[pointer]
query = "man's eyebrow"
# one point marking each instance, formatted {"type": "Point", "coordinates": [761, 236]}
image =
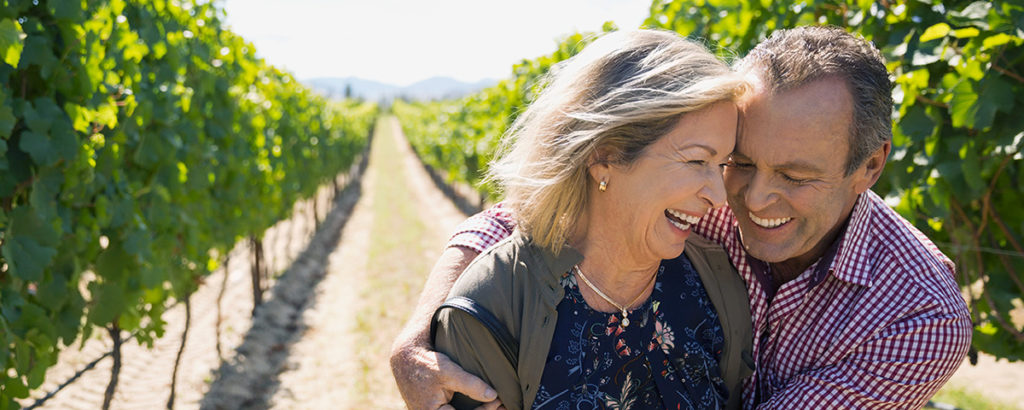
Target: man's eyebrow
{"type": "Point", "coordinates": [800, 165]}
{"type": "Point", "coordinates": [795, 165]}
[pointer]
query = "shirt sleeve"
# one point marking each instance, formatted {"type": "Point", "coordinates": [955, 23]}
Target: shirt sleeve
{"type": "Point", "coordinates": [716, 225]}
{"type": "Point", "coordinates": [484, 230]}
{"type": "Point", "coordinates": [901, 367]}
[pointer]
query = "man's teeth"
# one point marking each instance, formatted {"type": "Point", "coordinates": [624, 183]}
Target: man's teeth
{"type": "Point", "coordinates": [768, 223]}
{"type": "Point", "coordinates": [687, 220]}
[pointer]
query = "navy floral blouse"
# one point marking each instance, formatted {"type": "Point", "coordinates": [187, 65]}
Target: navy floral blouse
{"type": "Point", "coordinates": [667, 358]}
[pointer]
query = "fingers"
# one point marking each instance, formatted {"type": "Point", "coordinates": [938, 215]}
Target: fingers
{"type": "Point", "coordinates": [458, 380]}
{"type": "Point", "coordinates": [427, 379]}
{"type": "Point", "coordinates": [493, 405]}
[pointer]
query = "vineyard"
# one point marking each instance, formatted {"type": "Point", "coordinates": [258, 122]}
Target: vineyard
{"type": "Point", "coordinates": [183, 224]}
{"type": "Point", "coordinates": [140, 143]}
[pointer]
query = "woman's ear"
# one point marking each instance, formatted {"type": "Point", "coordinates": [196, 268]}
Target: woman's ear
{"type": "Point", "coordinates": [598, 166]}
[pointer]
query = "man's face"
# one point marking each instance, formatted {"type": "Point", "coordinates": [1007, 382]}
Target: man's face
{"type": "Point", "coordinates": [786, 182]}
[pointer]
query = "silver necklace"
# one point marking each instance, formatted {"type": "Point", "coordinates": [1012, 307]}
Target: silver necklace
{"type": "Point", "coordinates": [621, 308]}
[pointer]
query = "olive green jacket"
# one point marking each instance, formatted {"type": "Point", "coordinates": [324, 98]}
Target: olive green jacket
{"type": "Point", "coordinates": [519, 283]}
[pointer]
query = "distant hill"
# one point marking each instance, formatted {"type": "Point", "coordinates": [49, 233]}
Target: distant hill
{"type": "Point", "coordinates": [429, 89]}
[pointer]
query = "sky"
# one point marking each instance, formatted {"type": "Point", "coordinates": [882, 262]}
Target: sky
{"type": "Point", "coordinates": [401, 42]}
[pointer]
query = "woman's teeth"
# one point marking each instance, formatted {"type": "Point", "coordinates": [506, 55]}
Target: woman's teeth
{"type": "Point", "coordinates": [681, 220]}
{"type": "Point", "coordinates": [767, 223]}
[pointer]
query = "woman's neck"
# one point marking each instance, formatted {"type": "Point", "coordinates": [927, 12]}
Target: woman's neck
{"type": "Point", "coordinates": [609, 264]}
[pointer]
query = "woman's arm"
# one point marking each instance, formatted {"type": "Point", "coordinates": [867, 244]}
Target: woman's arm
{"type": "Point", "coordinates": [469, 343]}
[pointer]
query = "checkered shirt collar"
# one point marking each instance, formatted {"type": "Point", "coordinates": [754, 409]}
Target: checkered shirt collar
{"type": "Point", "coordinates": [853, 259]}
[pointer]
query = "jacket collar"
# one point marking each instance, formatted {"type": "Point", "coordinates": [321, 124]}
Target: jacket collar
{"type": "Point", "coordinates": [554, 265]}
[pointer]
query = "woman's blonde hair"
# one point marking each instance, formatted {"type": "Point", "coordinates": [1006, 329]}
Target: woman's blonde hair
{"type": "Point", "coordinates": [608, 103]}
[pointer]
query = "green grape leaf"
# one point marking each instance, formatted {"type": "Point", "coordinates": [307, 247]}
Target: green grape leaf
{"type": "Point", "coordinates": [80, 116]}
{"type": "Point", "coordinates": [37, 375]}
{"type": "Point", "coordinates": [970, 111]}
{"type": "Point", "coordinates": [34, 318]}
{"type": "Point", "coordinates": [45, 190]}
{"type": "Point", "coordinates": [29, 244]}
{"type": "Point", "coordinates": [12, 42]}
{"type": "Point", "coordinates": [113, 263]}
{"type": "Point", "coordinates": [108, 301]}
{"type": "Point", "coordinates": [39, 51]}
{"type": "Point", "coordinates": [3, 164]}
{"type": "Point", "coordinates": [69, 320]}
{"type": "Point", "coordinates": [51, 137]}
{"type": "Point", "coordinates": [7, 119]}
{"type": "Point", "coordinates": [14, 387]}
{"type": "Point", "coordinates": [966, 32]}
{"type": "Point", "coordinates": [39, 147]}
{"type": "Point", "coordinates": [53, 292]}
{"type": "Point", "coordinates": [66, 9]}
{"type": "Point", "coordinates": [971, 166]}
{"type": "Point", "coordinates": [939, 30]}
{"type": "Point", "coordinates": [917, 124]}
{"type": "Point", "coordinates": [998, 40]}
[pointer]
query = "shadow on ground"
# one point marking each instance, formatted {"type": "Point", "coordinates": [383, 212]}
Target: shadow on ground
{"type": "Point", "coordinates": [250, 379]}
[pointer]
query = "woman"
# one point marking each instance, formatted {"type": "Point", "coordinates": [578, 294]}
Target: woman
{"type": "Point", "coordinates": [606, 171]}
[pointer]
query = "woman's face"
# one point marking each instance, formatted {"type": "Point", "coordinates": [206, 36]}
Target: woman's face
{"type": "Point", "coordinates": [672, 184]}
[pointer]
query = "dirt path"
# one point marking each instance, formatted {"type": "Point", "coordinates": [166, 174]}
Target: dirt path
{"type": "Point", "coordinates": [397, 231]}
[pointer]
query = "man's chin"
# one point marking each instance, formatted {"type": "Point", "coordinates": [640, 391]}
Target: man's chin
{"type": "Point", "coordinates": [767, 253]}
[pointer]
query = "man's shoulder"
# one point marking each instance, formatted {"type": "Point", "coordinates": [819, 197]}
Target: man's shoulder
{"type": "Point", "coordinates": [893, 237]}
{"type": "Point", "coordinates": [492, 270]}
{"type": "Point", "coordinates": [904, 262]}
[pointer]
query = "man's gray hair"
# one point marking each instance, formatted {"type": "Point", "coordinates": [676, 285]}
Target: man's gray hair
{"type": "Point", "coordinates": [795, 57]}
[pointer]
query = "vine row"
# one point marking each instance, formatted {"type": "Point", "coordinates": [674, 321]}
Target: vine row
{"type": "Point", "coordinates": [139, 141]}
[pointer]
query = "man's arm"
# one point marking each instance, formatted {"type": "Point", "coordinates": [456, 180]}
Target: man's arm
{"type": "Point", "coordinates": [901, 367]}
{"type": "Point", "coordinates": [428, 379]}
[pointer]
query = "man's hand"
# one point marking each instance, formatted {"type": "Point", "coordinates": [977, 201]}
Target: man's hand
{"type": "Point", "coordinates": [428, 379]}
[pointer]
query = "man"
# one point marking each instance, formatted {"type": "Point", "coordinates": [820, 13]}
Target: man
{"type": "Point", "coordinates": [852, 306]}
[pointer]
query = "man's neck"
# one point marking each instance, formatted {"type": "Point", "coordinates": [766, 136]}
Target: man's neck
{"type": "Point", "coordinates": [790, 269]}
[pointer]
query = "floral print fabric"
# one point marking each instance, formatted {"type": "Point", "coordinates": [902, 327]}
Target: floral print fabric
{"type": "Point", "coordinates": [667, 358]}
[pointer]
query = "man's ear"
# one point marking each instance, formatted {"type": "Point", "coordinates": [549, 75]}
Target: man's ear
{"type": "Point", "coordinates": [872, 168]}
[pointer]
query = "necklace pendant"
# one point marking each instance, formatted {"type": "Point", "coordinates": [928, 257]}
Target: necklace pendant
{"type": "Point", "coordinates": [625, 321]}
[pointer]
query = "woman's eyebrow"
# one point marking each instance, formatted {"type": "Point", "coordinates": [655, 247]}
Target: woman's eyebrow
{"type": "Point", "coordinates": [709, 149]}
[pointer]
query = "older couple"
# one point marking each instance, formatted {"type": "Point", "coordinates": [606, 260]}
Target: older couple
{"type": "Point", "coordinates": [598, 268]}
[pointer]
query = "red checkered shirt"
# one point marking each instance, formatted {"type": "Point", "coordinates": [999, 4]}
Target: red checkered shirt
{"type": "Point", "coordinates": [883, 326]}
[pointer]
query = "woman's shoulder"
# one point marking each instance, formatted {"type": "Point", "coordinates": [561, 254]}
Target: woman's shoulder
{"type": "Point", "coordinates": [491, 273]}
{"type": "Point", "coordinates": [701, 243]}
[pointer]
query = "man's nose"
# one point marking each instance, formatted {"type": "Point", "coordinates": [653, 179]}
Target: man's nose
{"type": "Point", "coordinates": [759, 192]}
